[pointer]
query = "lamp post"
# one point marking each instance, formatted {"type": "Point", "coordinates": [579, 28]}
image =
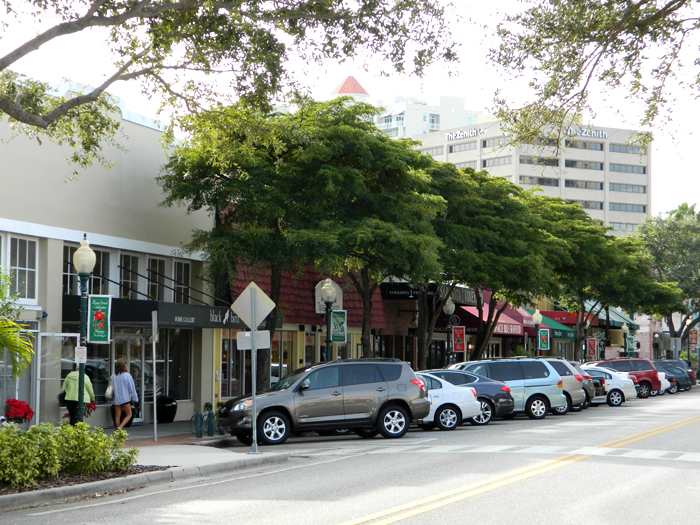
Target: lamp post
{"type": "Point", "coordinates": [328, 297]}
{"type": "Point", "coordinates": [84, 262]}
{"type": "Point", "coordinates": [537, 319]}
{"type": "Point", "coordinates": [625, 330]}
{"type": "Point", "coordinates": [448, 310]}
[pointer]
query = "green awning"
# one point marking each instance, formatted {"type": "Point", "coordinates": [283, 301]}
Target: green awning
{"type": "Point", "coordinates": [559, 331]}
{"type": "Point", "coordinates": [617, 319]}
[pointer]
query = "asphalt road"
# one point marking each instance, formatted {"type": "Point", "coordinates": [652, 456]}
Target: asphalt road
{"type": "Point", "coordinates": [639, 463]}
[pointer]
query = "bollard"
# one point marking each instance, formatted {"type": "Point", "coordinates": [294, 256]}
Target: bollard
{"type": "Point", "coordinates": [210, 424]}
{"type": "Point", "coordinates": [199, 424]}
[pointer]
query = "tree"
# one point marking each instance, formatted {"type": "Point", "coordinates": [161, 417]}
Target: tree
{"type": "Point", "coordinates": [570, 48]}
{"type": "Point", "coordinates": [13, 339]}
{"type": "Point", "coordinates": [176, 49]}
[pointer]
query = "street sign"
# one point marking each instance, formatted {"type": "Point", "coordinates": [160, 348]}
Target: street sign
{"type": "Point", "coordinates": [99, 319]}
{"type": "Point", "coordinates": [591, 346]}
{"type": "Point", "coordinates": [458, 338]}
{"type": "Point", "coordinates": [263, 305]}
{"type": "Point", "coordinates": [693, 337]}
{"type": "Point", "coordinates": [543, 339]}
{"type": "Point", "coordinates": [245, 342]}
{"type": "Point", "coordinates": [81, 354]}
{"type": "Point", "coordinates": [339, 326]}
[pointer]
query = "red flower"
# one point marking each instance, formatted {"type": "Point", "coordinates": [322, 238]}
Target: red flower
{"type": "Point", "coordinates": [17, 411]}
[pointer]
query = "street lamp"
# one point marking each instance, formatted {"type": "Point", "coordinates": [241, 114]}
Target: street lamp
{"type": "Point", "coordinates": [537, 319]}
{"type": "Point", "coordinates": [448, 310]}
{"type": "Point", "coordinates": [83, 261]}
{"type": "Point", "coordinates": [328, 297]}
{"type": "Point", "coordinates": [625, 330]}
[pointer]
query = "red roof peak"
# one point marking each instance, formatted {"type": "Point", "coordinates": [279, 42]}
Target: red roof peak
{"type": "Point", "coordinates": [349, 86]}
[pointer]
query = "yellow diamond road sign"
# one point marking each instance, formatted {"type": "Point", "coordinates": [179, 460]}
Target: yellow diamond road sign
{"type": "Point", "coordinates": [253, 295]}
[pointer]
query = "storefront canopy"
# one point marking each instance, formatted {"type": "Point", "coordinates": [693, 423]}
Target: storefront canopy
{"type": "Point", "coordinates": [617, 319]}
{"type": "Point", "coordinates": [559, 331]}
{"type": "Point", "coordinates": [506, 326]}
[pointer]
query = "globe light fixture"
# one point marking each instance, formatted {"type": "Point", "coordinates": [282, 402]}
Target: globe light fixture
{"type": "Point", "coordinates": [328, 296]}
{"type": "Point", "coordinates": [84, 262]}
{"type": "Point", "coordinates": [537, 319]}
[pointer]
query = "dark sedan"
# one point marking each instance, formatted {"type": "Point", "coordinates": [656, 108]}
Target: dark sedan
{"type": "Point", "coordinates": [683, 365]}
{"type": "Point", "coordinates": [679, 378]}
{"type": "Point", "coordinates": [495, 397]}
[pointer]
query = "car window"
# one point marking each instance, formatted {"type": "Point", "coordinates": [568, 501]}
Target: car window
{"type": "Point", "coordinates": [430, 383]}
{"type": "Point", "coordinates": [327, 377]}
{"type": "Point", "coordinates": [534, 369]}
{"type": "Point", "coordinates": [508, 371]}
{"type": "Point", "coordinates": [674, 369]}
{"type": "Point", "coordinates": [640, 364]}
{"type": "Point", "coordinates": [578, 368]}
{"type": "Point", "coordinates": [561, 368]}
{"type": "Point", "coordinates": [360, 374]}
{"type": "Point", "coordinates": [480, 369]}
{"type": "Point", "coordinates": [390, 372]}
{"type": "Point", "coordinates": [455, 379]}
{"type": "Point", "coordinates": [621, 366]}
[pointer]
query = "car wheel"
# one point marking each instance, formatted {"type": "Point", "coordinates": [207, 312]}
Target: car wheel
{"type": "Point", "coordinates": [536, 407]}
{"type": "Point", "coordinates": [644, 390]}
{"type": "Point", "coordinates": [673, 389]}
{"type": "Point", "coordinates": [273, 428]}
{"type": "Point", "coordinates": [615, 398]}
{"type": "Point", "coordinates": [560, 411]}
{"type": "Point", "coordinates": [486, 414]}
{"type": "Point", "coordinates": [246, 439]}
{"type": "Point", "coordinates": [341, 431]}
{"type": "Point", "coordinates": [426, 426]}
{"type": "Point", "coordinates": [393, 421]}
{"type": "Point", "coordinates": [654, 393]}
{"type": "Point", "coordinates": [448, 418]}
{"type": "Point", "coordinates": [586, 403]}
{"type": "Point", "coordinates": [366, 432]}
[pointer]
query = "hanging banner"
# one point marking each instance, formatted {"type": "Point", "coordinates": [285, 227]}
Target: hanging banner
{"type": "Point", "coordinates": [339, 326]}
{"type": "Point", "coordinates": [458, 339]}
{"type": "Point", "coordinates": [591, 346]}
{"type": "Point", "coordinates": [99, 319]}
{"type": "Point", "coordinates": [543, 339]}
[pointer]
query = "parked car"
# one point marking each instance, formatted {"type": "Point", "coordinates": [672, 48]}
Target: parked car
{"type": "Point", "coordinates": [449, 404]}
{"type": "Point", "coordinates": [589, 387]}
{"type": "Point", "coordinates": [573, 384]}
{"type": "Point", "coordinates": [678, 377]}
{"type": "Point", "coordinates": [619, 387]}
{"type": "Point", "coordinates": [369, 396]}
{"type": "Point", "coordinates": [534, 384]}
{"type": "Point", "coordinates": [494, 396]}
{"type": "Point", "coordinates": [683, 365]}
{"type": "Point", "coordinates": [643, 369]}
{"type": "Point", "coordinates": [665, 384]}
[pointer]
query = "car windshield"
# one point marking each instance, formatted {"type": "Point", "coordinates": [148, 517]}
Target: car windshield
{"type": "Point", "coordinates": [289, 380]}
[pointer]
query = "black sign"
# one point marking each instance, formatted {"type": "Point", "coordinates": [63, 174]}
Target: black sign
{"type": "Point", "coordinates": [403, 291]}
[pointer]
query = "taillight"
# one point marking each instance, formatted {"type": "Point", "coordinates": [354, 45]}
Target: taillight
{"type": "Point", "coordinates": [579, 378]}
{"type": "Point", "coordinates": [473, 392]}
{"type": "Point", "coordinates": [673, 380]}
{"type": "Point", "coordinates": [587, 378]}
{"type": "Point", "coordinates": [505, 388]}
{"type": "Point", "coordinates": [418, 382]}
{"type": "Point", "coordinates": [635, 380]}
{"type": "Point", "coordinates": [560, 384]}
{"type": "Point", "coordinates": [602, 383]}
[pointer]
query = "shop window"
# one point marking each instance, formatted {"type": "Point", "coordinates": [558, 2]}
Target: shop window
{"type": "Point", "coordinates": [23, 269]}
{"type": "Point", "coordinates": [128, 276]}
{"type": "Point", "coordinates": [156, 279]}
{"type": "Point", "coordinates": [182, 282]}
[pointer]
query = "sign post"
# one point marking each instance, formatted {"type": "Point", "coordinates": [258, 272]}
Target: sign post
{"type": "Point", "coordinates": [154, 331]}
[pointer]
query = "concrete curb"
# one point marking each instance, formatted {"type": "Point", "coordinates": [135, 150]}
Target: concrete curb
{"type": "Point", "coordinates": [38, 498]}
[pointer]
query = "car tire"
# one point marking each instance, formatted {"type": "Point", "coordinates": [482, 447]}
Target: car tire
{"type": "Point", "coordinates": [393, 421]}
{"type": "Point", "coordinates": [673, 389]}
{"type": "Point", "coordinates": [426, 426]}
{"type": "Point", "coordinates": [644, 390]}
{"type": "Point", "coordinates": [273, 428]}
{"type": "Point", "coordinates": [586, 403]}
{"type": "Point", "coordinates": [486, 415]}
{"type": "Point", "coordinates": [654, 393]}
{"type": "Point", "coordinates": [536, 407]}
{"type": "Point", "coordinates": [366, 432]}
{"type": "Point", "coordinates": [615, 398]}
{"type": "Point", "coordinates": [448, 417]}
{"type": "Point", "coordinates": [341, 431]}
{"type": "Point", "coordinates": [246, 439]}
{"type": "Point", "coordinates": [560, 411]}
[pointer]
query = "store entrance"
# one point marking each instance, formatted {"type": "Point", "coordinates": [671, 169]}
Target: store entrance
{"type": "Point", "coordinates": [131, 348]}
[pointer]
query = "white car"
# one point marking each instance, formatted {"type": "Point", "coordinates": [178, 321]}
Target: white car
{"type": "Point", "coordinates": [449, 404]}
{"type": "Point", "coordinates": [665, 384]}
{"type": "Point", "coordinates": [618, 385]}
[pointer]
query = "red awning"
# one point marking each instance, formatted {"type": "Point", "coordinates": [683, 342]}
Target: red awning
{"type": "Point", "coordinates": [506, 326]}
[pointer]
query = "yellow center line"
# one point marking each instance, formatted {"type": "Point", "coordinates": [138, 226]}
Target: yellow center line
{"type": "Point", "coordinates": [430, 503]}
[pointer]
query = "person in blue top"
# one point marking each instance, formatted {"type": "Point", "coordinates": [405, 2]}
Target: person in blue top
{"type": "Point", "coordinates": [124, 394]}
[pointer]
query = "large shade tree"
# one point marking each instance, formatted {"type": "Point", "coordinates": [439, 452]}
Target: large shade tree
{"type": "Point", "coordinates": [191, 53]}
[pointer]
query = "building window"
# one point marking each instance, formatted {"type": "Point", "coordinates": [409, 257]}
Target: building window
{"type": "Point", "coordinates": [71, 282]}
{"type": "Point", "coordinates": [635, 208]}
{"type": "Point", "coordinates": [471, 164]}
{"type": "Point", "coordinates": [128, 277]}
{"type": "Point", "coordinates": [583, 165]}
{"type": "Point", "coordinates": [492, 143]}
{"type": "Point", "coordinates": [539, 180]}
{"type": "Point", "coordinates": [624, 227]}
{"type": "Point", "coordinates": [540, 161]}
{"type": "Point", "coordinates": [589, 205]}
{"type": "Point", "coordinates": [583, 184]}
{"type": "Point", "coordinates": [623, 148]}
{"type": "Point", "coordinates": [498, 161]}
{"type": "Point", "coordinates": [23, 268]}
{"type": "Point", "coordinates": [399, 120]}
{"type": "Point", "coordinates": [626, 168]}
{"type": "Point", "coordinates": [182, 282]}
{"type": "Point", "coordinates": [466, 146]}
{"type": "Point", "coordinates": [425, 117]}
{"type": "Point", "coordinates": [156, 279]}
{"type": "Point", "coordinates": [629, 188]}
{"type": "Point", "coordinates": [99, 280]}
{"type": "Point", "coordinates": [433, 151]}
{"type": "Point", "coordinates": [541, 141]}
{"type": "Point", "coordinates": [582, 144]}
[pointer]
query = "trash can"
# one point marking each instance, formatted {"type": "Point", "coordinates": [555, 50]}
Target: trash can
{"type": "Point", "coordinates": [166, 409]}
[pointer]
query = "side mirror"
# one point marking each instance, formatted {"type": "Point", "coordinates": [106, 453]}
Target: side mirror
{"type": "Point", "coordinates": [304, 385]}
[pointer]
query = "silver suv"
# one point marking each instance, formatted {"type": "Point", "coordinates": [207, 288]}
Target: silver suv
{"type": "Point", "coordinates": [573, 384]}
{"type": "Point", "coordinates": [369, 396]}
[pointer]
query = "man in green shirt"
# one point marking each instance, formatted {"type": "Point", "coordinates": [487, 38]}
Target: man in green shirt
{"type": "Point", "coordinates": [70, 387]}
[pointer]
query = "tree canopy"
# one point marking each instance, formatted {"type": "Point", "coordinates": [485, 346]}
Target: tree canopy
{"type": "Point", "coordinates": [176, 49]}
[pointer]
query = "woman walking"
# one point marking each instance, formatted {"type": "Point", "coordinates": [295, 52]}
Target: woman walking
{"type": "Point", "coordinates": [71, 388]}
{"type": "Point", "coordinates": [124, 394]}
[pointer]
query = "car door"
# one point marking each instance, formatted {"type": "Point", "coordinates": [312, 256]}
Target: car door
{"type": "Point", "coordinates": [435, 394]}
{"type": "Point", "coordinates": [319, 397]}
{"type": "Point", "coordinates": [511, 374]}
{"type": "Point", "coordinates": [364, 390]}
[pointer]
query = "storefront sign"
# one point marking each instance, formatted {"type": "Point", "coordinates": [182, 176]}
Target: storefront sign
{"type": "Point", "coordinates": [593, 133]}
{"type": "Point", "coordinates": [403, 291]}
{"type": "Point", "coordinates": [464, 134]}
{"type": "Point", "coordinates": [591, 346]}
{"type": "Point", "coordinates": [458, 339]}
{"type": "Point", "coordinates": [543, 339]}
{"type": "Point", "coordinates": [339, 326]}
{"type": "Point", "coordinates": [99, 319]}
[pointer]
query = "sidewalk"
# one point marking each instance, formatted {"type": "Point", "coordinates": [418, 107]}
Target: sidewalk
{"type": "Point", "coordinates": [177, 448]}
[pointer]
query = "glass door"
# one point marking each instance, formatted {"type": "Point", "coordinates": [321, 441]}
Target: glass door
{"type": "Point", "coordinates": [130, 347]}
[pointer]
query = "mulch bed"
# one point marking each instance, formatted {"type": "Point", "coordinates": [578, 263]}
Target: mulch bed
{"type": "Point", "coordinates": [65, 479]}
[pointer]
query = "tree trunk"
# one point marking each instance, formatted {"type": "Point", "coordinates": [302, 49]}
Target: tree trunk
{"type": "Point", "coordinates": [263, 357]}
{"type": "Point", "coordinates": [485, 329]}
{"type": "Point", "coordinates": [366, 288]}
{"type": "Point", "coordinates": [423, 334]}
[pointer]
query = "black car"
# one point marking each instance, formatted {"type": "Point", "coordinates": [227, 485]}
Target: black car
{"type": "Point", "coordinates": [495, 397]}
{"type": "Point", "coordinates": [683, 365]}
{"type": "Point", "coordinates": [679, 377]}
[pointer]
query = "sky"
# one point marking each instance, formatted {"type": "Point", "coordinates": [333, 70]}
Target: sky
{"type": "Point", "coordinates": [675, 177]}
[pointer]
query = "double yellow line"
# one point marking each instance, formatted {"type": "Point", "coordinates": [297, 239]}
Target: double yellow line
{"type": "Point", "coordinates": [428, 504]}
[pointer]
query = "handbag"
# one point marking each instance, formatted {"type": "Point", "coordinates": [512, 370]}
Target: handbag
{"type": "Point", "coordinates": [109, 393]}
{"type": "Point", "coordinates": [61, 399]}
